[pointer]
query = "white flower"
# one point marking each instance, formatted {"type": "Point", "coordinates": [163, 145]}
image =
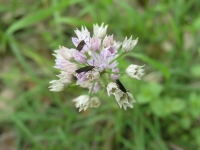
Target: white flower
{"type": "Point", "coordinates": [95, 102]}
{"type": "Point", "coordinates": [84, 33]}
{"type": "Point", "coordinates": [108, 41]}
{"type": "Point", "coordinates": [112, 88]}
{"type": "Point", "coordinates": [128, 44]}
{"type": "Point", "coordinates": [117, 44]}
{"type": "Point", "coordinates": [83, 102]}
{"type": "Point", "coordinates": [66, 65]}
{"type": "Point", "coordinates": [83, 39]}
{"type": "Point", "coordinates": [124, 99]}
{"type": "Point", "coordinates": [56, 86]}
{"type": "Point", "coordinates": [120, 97]}
{"type": "Point", "coordinates": [93, 75]}
{"type": "Point", "coordinates": [100, 31]}
{"type": "Point", "coordinates": [135, 71]}
{"type": "Point", "coordinates": [63, 53]}
{"type": "Point", "coordinates": [65, 77]}
{"type": "Point", "coordinates": [130, 99]}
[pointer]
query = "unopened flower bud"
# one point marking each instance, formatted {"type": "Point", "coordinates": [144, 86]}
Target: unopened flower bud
{"type": "Point", "coordinates": [95, 102]}
{"type": "Point", "coordinates": [65, 77]}
{"type": "Point", "coordinates": [56, 86]}
{"type": "Point", "coordinates": [100, 31]}
{"type": "Point", "coordinates": [95, 43]}
{"type": "Point", "coordinates": [128, 44]}
{"type": "Point", "coordinates": [108, 41]}
{"type": "Point", "coordinates": [82, 102]}
{"type": "Point", "coordinates": [117, 44]}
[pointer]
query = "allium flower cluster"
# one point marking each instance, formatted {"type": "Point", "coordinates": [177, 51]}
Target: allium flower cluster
{"type": "Point", "coordinates": [92, 64]}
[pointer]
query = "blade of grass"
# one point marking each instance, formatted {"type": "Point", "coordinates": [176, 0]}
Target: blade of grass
{"type": "Point", "coordinates": [44, 64]}
{"type": "Point", "coordinates": [20, 58]}
{"type": "Point", "coordinates": [58, 26]}
{"type": "Point", "coordinates": [74, 21]}
{"type": "Point", "coordinates": [35, 17]}
{"type": "Point", "coordinates": [23, 128]}
{"type": "Point", "coordinates": [154, 133]}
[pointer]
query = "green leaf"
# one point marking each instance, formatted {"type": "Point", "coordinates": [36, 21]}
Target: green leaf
{"type": "Point", "coordinates": [149, 92]}
{"type": "Point", "coordinates": [196, 23]}
{"type": "Point", "coordinates": [196, 133]}
{"type": "Point", "coordinates": [74, 21]}
{"type": "Point", "coordinates": [185, 122]}
{"type": "Point", "coordinates": [159, 108]}
{"type": "Point", "coordinates": [195, 70]}
{"type": "Point", "coordinates": [194, 103]}
{"type": "Point", "coordinates": [167, 106]}
{"type": "Point", "coordinates": [177, 105]}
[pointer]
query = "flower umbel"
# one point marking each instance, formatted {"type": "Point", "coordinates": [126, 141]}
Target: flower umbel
{"type": "Point", "coordinates": [92, 64]}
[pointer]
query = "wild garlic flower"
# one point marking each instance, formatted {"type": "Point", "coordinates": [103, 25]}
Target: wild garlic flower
{"type": "Point", "coordinates": [135, 71]}
{"type": "Point", "coordinates": [95, 102]}
{"type": "Point", "coordinates": [82, 102]}
{"type": "Point", "coordinates": [123, 98]}
{"type": "Point", "coordinates": [57, 85]}
{"type": "Point", "coordinates": [92, 64]}
{"type": "Point", "coordinates": [100, 32]}
{"type": "Point", "coordinates": [63, 53]}
{"type": "Point", "coordinates": [108, 41]}
{"type": "Point", "coordinates": [129, 44]}
{"type": "Point", "coordinates": [117, 44]}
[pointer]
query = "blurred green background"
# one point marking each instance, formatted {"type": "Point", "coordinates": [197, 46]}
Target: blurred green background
{"type": "Point", "coordinates": [167, 113]}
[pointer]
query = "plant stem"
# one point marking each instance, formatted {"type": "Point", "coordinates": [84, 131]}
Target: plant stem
{"type": "Point", "coordinates": [110, 72]}
{"type": "Point", "coordinates": [91, 89]}
{"type": "Point", "coordinates": [120, 55]}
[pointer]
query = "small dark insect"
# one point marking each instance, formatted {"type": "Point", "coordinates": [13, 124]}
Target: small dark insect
{"type": "Point", "coordinates": [120, 85]}
{"type": "Point", "coordinates": [85, 69]}
{"type": "Point", "coordinates": [81, 45]}
{"type": "Point", "coordinates": [74, 78]}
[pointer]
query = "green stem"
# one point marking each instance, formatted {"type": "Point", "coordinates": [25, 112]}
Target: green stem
{"type": "Point", "coordinates": [120, 55]}
{"type": "Point", "coordinates": [105, 80]}
{"type": "Point", "coordinates": [110, 72]}
{"type": "Point", "coordinates": [90, 94]}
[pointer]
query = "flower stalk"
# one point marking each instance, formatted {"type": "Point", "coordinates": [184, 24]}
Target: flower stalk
{"type": "Point", "coordinates": [119, 56]}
